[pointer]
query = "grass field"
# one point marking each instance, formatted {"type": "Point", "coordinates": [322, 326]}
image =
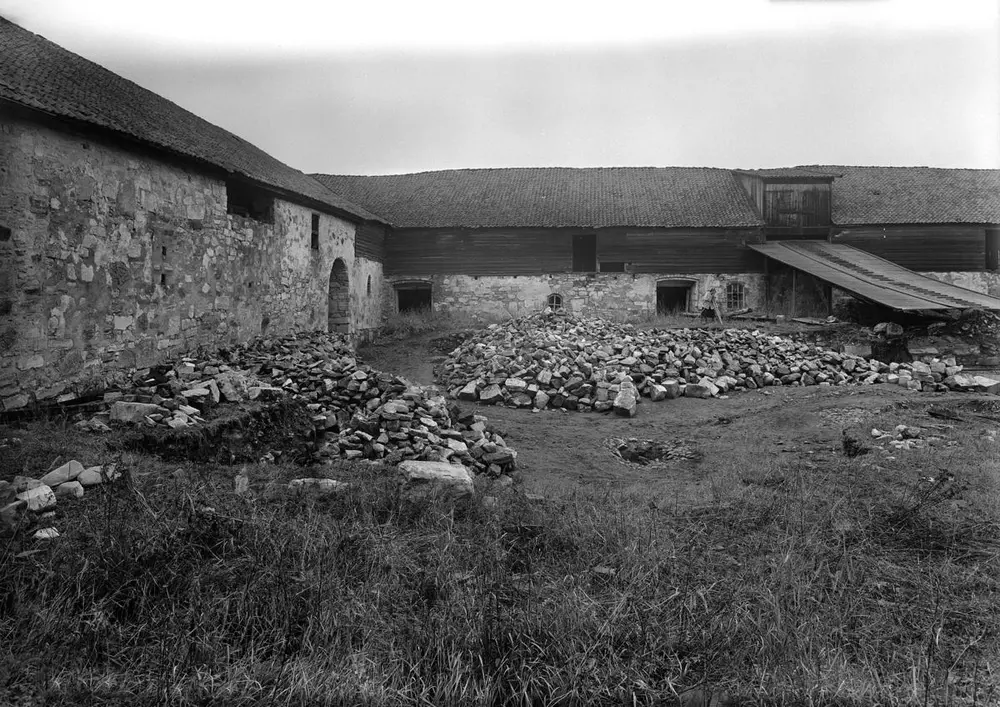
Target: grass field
{"type": "Point", "coordinates": [850, 584]}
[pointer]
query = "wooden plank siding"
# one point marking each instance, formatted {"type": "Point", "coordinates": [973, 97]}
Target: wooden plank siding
{"type": "Point", "coordinates": [681, 250]}
{"type": "Point", "coordinates": [434, 251]}
{"type": "Point", "coordinates": [539, 251]}
{"type": "Point", "coordinates": [754, 187]}
{"type": "Point", "coordinates": [959, 248]}
{"type": "Point", "coordinates": [796, 209]}
{"type": "Point", "coordinates": [369, 241]}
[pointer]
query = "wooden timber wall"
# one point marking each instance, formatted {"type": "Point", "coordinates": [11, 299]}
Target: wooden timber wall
{"type": "Point", "coordinates": [539, 251]}
{"type": "Point", "coordinates": [948, 248]}
{"type": "Point", "coordinates": [369, 242]}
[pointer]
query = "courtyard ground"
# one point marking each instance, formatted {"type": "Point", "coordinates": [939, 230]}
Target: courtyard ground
{"type": "Point", "coordinates": [778, 554]}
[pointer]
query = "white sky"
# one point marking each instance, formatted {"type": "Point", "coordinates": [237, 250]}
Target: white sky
{"type": "Point", "coordinates": [372, 86]}
{"type": "Point", "coordinates": [339, 27]}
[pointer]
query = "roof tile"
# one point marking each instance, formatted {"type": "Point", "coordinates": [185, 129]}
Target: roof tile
{"type": "Point", "coordinates": [553, 197]}
{"type": "Point", "coordinates": [900, 195]}
{"type": "Point", "coordinates": [42, 75]}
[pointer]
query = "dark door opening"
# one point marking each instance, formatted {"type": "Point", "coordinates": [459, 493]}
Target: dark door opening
{"type": "Point", "coordinates": [673, 297]}
{"type": "Point", "coordinates": [585, 252]}
{"type": "Point", "coordinates": [413, 298]}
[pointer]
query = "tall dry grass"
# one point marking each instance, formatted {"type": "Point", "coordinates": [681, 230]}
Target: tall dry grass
{"type": "Point", "coordinates": [801, 587]}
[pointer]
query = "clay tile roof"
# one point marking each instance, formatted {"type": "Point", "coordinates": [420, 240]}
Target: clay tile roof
{"type": "Point", "coordinates": [790, 173]}
{"type": "Point", "coordinates": [899, 195]}
{"type": "Point", "coordinates": [39, 74]}
{"type": "Point", "coordinates": [553, 197]}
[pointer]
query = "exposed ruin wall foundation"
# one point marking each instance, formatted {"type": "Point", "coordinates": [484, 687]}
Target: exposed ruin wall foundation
{"type": "Point", "coordinates": [111, 259]}
{"type": "Point", "coordinates": [987, 283]}
{"type": "Point", "coordinates": [603, 294]}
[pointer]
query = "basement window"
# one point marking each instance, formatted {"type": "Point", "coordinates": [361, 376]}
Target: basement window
{"type": "Point", "coordinates": [736, 296]}
{"type": "Point", "coordinates": [249, 201]}
{"type": "Point", "coordinates": [314, 242]}
{"type": "Point", "coordinates": [555, 302]}
{"type": "Point", "coordinates": [413, 297]}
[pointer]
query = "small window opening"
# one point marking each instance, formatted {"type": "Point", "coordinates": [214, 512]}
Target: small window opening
{"type": "Point", "coordinates": [585, 252]}
{"type": "Point", "coordinates": [369, 286]}
{"type": "Point", "coordinates": [613, 266]}
{"type": "Point", "coordinates": [163, 279]}
{"type": "Point", "coordinates": [315, 232]}
{"type": "Point", "coordinates": [413, 297]}
{"type": "Point", "coordinates": [736, 296]}
{"type": "Point", "coordinates": [673, 296]}
{"type": "Point", "coordinates": [163, 251]}
{"type": "Point", "coordinates": [249, 201]}
{"type": "Point", "coordinates": [555, 302]}
{"type": "Point", "coordinates": [4, 234]}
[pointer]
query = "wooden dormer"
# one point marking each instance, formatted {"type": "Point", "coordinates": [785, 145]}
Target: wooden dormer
{"type": "Point", "coordinates": [795, 203]}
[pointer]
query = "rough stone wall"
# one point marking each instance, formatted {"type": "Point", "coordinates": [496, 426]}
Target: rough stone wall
{"type": "Point", "coordinates": [985, 282]}
{"type": "Point", "coordinates": [367, 287]}
{"type": "Point", "coordinates": [114, 258]}
{"type": "Point", "coordinates": [604, 294]}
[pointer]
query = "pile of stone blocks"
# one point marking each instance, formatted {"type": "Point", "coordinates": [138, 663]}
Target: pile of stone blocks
{"type": "Point", "coordinates": [558, 360]}
{"type": "Point", "coordinates": [24, 500]}
{"type": "Point", "coordinates": [357, 412]}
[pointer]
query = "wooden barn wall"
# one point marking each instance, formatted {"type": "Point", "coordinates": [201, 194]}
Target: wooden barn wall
{"type": "Point", "coordinates": [927, 248]}
{"type": "Point", "coordinates": [433, 251]}
{"type": "Point", "coordinates": [681, 250]}
{"type": "Point", "coordinates": [369, 242]}
{"type": "Point", "coordinates": [754, 186]}
{"type": "Point", "coordinates": [796, 205]}
{"type": "Point", "coordinates": [539, 251]}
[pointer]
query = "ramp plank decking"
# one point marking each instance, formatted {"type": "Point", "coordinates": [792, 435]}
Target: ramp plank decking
{"type": "Point", "coordinates": [873, 278]}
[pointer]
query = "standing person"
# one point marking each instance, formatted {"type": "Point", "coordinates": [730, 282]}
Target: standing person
{"type": "Point", "coordinates": [712, 307]}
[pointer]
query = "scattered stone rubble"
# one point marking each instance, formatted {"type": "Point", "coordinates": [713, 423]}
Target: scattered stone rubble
{"type": "Point", "coordinates": [357, 412]}
{"type": "Point", "coordinates": [559, 360]}
{"type": "Point", "coordinates": [24, 499]}
{"type": "Point", "coordinates": [910, 437]}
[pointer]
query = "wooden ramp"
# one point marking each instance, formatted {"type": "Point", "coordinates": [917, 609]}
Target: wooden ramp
{"type": "Point", "coordinates": [873, 278]}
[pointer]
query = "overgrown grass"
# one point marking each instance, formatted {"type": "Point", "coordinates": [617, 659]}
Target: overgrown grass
{"type": "Point", "coordinates": [426, 321]}
{"type": "Point", "coordinates": [807, 587]}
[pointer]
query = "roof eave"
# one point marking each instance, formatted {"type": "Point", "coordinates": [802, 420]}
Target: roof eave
{"type": "Point", "coordinates": [295, 197]}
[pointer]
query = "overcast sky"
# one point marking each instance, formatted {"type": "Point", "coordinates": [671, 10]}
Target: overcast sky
{"type": "Point", "coordinates": [376, 87]}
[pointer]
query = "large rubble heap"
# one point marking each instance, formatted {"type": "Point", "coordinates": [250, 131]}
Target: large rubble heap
{"type": "Point", "coordinates": [357, 412]}
{"type": "Point", "coordinates": [562, 361]}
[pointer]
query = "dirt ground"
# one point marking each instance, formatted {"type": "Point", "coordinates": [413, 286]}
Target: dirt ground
{"type": "Point", "coordinates": [752, 438]}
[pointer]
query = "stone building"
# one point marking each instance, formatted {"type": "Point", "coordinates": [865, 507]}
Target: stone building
{"type": "Point", "coordinates": [131, 231]}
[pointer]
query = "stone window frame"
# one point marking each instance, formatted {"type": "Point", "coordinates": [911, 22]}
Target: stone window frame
{"type": "Point", "coordinates": [554, 302]}
{"type": "Point", "coordinates": [736, 296]}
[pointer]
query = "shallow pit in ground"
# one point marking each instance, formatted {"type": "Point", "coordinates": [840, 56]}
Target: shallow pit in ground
{"type": "Point", "coordinates": [648, 452]}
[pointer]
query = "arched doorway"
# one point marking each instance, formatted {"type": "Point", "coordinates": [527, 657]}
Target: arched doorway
{"type": "Point", "coordinates": [339, 313]}
{"type": "Point", "coordinates": [674, 295]}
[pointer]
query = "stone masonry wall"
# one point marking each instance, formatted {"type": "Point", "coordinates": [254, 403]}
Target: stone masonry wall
{"type": "Point", "coordinates": [367, 288]}
{"type": "Point", "coordinates": [988, 283]}
{"type": "Point", "coordinates": [604, 294]}
{"type": "Point", "coordinates": [112, 259]}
